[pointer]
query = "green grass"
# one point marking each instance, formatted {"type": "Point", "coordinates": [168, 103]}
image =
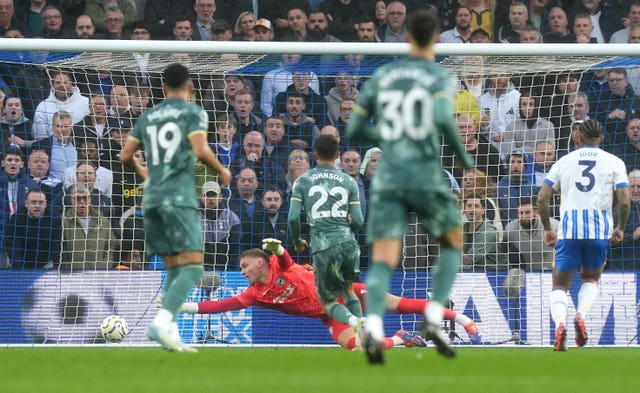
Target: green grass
{"type": "Point", "coordinates": [326, 370]}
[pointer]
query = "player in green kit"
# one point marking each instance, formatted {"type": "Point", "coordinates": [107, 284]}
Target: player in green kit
{"type": "Point", "coordinates": [332, 202]}
{"type": "Point", "coordinates": [173, 135]}
{"type": "Point", "coordinates": [410, 101]}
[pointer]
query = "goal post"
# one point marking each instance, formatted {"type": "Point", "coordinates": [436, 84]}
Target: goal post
{"type": "Point", "coordinates": [88, 274]}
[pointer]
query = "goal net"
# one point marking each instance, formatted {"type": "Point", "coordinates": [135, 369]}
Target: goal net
{"type": "Point", "coordinates": [73, 238]}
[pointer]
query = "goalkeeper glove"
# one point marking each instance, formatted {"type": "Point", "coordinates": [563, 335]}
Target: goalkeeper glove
{"type": "Point", "coordinates": [273, 245]}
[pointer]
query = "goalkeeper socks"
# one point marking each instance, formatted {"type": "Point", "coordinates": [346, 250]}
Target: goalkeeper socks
{"type": "Point", "coordinates": [377, 287]}
{"type": "Point", "coordinates": [387, 342]}
{"type": "Point", "coordinates": [181, 286]}
{"type": "Point", "coordinates": [558, 306]}
{"type": "Point", "coordinates": [340, 313]}
{"type": "Point", "coordinates": [353, 304]}
{"type": "Point", "coordinates": [586, 297]}
{"type": "Point", "coordinates": [411, 306]}
{"type": "Point", "coordinates": [445, 273]}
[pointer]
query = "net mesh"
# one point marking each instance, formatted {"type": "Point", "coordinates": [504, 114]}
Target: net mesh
{"type": "Point", "coordinates": [64, 274]}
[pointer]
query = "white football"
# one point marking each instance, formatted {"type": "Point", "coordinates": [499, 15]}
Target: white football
{"type": "Point", "coordinates": [114, 328]}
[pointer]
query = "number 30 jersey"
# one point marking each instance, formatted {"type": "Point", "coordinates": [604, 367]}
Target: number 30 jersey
{"type": "Point", "coordinates": [164, 133]}
{"type": "Point", "coordinates": [326, 194]}
{"type": "Point", "coordinates": [587, 179]}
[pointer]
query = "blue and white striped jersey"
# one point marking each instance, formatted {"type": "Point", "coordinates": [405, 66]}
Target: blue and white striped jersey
{"type": "Point", "coordinates": [587, 179]}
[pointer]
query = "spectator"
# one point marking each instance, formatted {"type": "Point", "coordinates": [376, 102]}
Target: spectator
{"type": "Point", "coordinates": [38, 177]}
{"type": "Point", "coordinates": [343, 15]}
{"type": "Point", "coordinates": [315, 104]}
{"type": "Point", "coordinates": [366, 30]}
{"type": "Point", "coordinates": [244, 25]}
{"type": "Point", "coordinates": [318, 28]}
{"type": "Point", "coordinates": [380, 12]}
{"type": "Point", "coordinates": [273, 221]}
{"type": "Point", "coordinates": [577, 111]}
{"type": "Point", "coordinates": [30, 226]}
{"type": "Point", "coordinates": [12, 195]}
{"type": "Point", "coordinates": [8, 19]}
{"type": "Point", "coordinates": [518, 17]}
{"type": "Point", "coordinates": [225, 147]}
{"type": "Point", "coordinates": [88, 242]}
{"type": "Point", "coordinates": [605, 21]}
{"type": "Point", "coordinates": [530, 35]}
{"type": "Point", "coordinates": [298, 162]}
{"type": "Point", "coordinates": [88, 153]}
{"type": "Point", "coordinates": [394, 30]}
{"type": "Point", "coordinates": [85, 174]}
{"type": "Point", "coordinates": [538, 14]}
{"type": "Point", "coordinates": [182, 29]}
{"type": "Point", "coordinates": [99, 10]}
{"type": "Point", "coordinates": [220, 228]}
{"type": "Point", "coordinates": [477, 183]}
{"type": "Point", "coordinates": [230, 10]}
{"type": "Point", "coordinates": [15, 128]}
{"type": "Point", "coordinates": [345, 89]}
{"type": "Point", "coordinates": [263, 30]}
{"type": "Point", "coordinates": [629, 150]}
{"type": "Point", "coordinates": [162, 15]}
{"type": "Point", "coordinates": [248, 120]}
{"type": "Point", "coordinates": [276, 146]}
{"type": "Point", "coordinates": [60, 146]}
{"type": "Point", "coordinates": [527, 129]}
{"type": "Point", "coordinates": [204, 19]}
{"type": "Point", "coordinates": [112, 22]}
{"type": "Point", "coordinates": [479, 36]}
{"type": "Point", "coordinates": [624, 255]}
{"type": "Point", "coordinates": [300, 127]}
{"type": "Point", "coordinates": [461, 32]}
{"type": "Point", "coordinates": [30, 15]}
{"type": "Point", "coordinates": [221, 31]}
{"type": "Point", "coordinates": [94, 125]}
{"type": "Point", "coordinates": [543, 158]}
{"type": "Point", "coordinates": [513, 186]}
{"type": "Point", "coordinates": [118, 100]}
{"type": "Point", "coordinates": [139, 100]}
{"type": "Point", "coordinates": [246, 204]}
{"type": "Point", "coordinates": [482, 16]}
{"type": "Point", "coordinates": [499, 107]}
{"type": "Point", "coordinates": [297, 20]}
{"type": "Point", "coordinates": [482, 248]}
{"type": "Point", "coordinates": [633, 17]}
{"type": "Point", "coordinates": [268, 173]}
{"type": "Point", "coordinates": [616, 106]}
{"type": "Point", "coordinates": [350, 160]}
{"type": "Point", "coordinates": [52, 23]}
{"type": "Point", "coordinates": [64, 96]}
{"type": "Point", "coordinates": [583, 29]}
{"type": "Point", "coordinates": [346, 107]}
{"type": "Point", "coordinates": [368, 167]}
{"type": "Point", "coordinates": [84, 27]}
{"type": "Point", "coordinates": [278, 79]}
{"type": "Point", "coordinates": [486, 157]}
{"type": "Point", "coordinates": [558, 27]}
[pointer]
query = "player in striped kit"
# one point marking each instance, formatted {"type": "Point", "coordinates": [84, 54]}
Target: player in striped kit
{"type": "Point", "coordinates": [587, 180]}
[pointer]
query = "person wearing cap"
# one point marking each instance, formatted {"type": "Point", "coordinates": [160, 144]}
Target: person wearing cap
{"type": "Point", "coordinates": [263, 30]}
{"type": "Point", "coordinates": [221, 31]}
{"type": "Point", "coordinates": [220, 228]}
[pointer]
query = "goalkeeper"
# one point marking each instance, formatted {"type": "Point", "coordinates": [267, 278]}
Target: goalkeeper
{"type": "Point", "coordinates": [278, 283]}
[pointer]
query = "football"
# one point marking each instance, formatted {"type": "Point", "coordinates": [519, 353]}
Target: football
{"type": "Point", "coordinates": [114, 328]}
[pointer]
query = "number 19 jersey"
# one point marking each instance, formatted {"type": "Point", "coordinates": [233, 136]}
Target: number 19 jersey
{"type": "Point", "coordinates": [586, 179]}
{"type": "Point", "coordinates": [164, 132]}
{"type": "Point", "coordinates": [326, 194]}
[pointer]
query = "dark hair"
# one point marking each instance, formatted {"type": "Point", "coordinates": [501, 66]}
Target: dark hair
{"type": "Point", "coordinates": [140, 24]}
{"type": "Point", "coordinates": [618, 70]}
{"type": "Point", "coordinates": [591, 129]}
{"type": "Point", "coordinates": [528, 200]}
{"type": "Point", "coordinates": [483, 201]}
{"type": "Point", "coordinates": [181, 18]}
{"type": "Point", "coordinates": [423, 26]}
{"type": "Point", "coordinates": [477, 33]}
{"type": "Point", "coordinates": [256, 253]}
{"type": "Point", "coordinates": [326, 146]}
{"type": "Point", "coordinates": [175, 76]}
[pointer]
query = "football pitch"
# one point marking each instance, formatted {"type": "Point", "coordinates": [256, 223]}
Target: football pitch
{"type": "Point", "coordinates": [326, 370]}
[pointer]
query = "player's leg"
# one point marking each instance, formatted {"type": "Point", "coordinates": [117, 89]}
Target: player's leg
{"type": "Point", "coordinates": [350, 253]}
{"type": "Point", "coordinates": [567, 259]}
{"type": "Point", "coordinates": [595, 254]}
{"type": "Point", "coordinates": [346, 337]}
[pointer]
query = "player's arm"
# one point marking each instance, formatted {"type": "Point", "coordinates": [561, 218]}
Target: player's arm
{"type": "Point", "coordinates": [204, 153]}
{"type": "Point", "coordinates": [544, 198]}
{"type": "Point", "coordinates": [357, 219]}
{"type": "Point", "coordinates": [212, 307]}
{"type": "Point", "coordinates": [127, 156]}
{"type": "Point", "coordinates": [624, 207]}
{"type": "Point", "coordinates": [446, 123]}
{"type": "Point", "coordinates": [280, 253]}
{"type": "Point", "coordinates": [359, 124]}
{"type": "Point", "coordinates": [293, 220]}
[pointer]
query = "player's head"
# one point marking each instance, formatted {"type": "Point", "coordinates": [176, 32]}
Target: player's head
{"type": "Point", "coordinates": [423, 27]}
{"type": "Point", "coordinates": [591, 132]}
{"type": "Point", "coordinates": [325, 148]}
{"type": "Point", "coordinates": [176, 78]}
{"type": "Point", "coordinates": [254, 265]}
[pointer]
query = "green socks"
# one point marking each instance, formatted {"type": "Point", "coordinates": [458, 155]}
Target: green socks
{"type": "Point", "coordinates": [176, 293]}
{"type": "Point", "coordinates": [444, 274]}
{"type": "Point", "coordinates": [377, 287]}
{"type": "Point", "coordinates": [353, 304]}
{"type": "Point", "coordinates": [339, 312]}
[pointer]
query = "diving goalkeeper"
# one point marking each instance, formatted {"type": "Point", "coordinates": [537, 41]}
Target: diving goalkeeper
{"type": "Point", "coordinates": [278, 283]}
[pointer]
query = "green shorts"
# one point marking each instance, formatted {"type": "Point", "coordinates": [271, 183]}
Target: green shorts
{"type": "Point", "coordinates": [170, 230]}
{"type": "Point", "coordinates": [437, 212]}
{"type": "Point", "coordinates": [336, 268]}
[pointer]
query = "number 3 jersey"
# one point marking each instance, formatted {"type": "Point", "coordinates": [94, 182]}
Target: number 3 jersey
{"type": "Point", "coordinates": [326, 194]}
{"type": "Point", "coordinates": [586, 179]}
{"type": "Point", "coordinates": [164, 133]}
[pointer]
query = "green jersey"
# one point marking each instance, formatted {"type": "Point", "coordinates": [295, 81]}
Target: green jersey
{"type": "Point", "coordinates": [410, 102]}
{"type": "Point", "coordinates": [164, 132]}
{"type": "Point", "coordinates": [327, 195]}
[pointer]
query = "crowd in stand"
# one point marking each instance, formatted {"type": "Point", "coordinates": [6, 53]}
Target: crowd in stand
{"type": "Point", "coordinates": [64, 189]}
